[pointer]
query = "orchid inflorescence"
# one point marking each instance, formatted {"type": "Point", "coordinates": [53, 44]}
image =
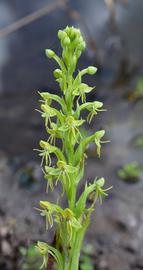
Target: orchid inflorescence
{"type": "Point", "coordinates": [64, 123]}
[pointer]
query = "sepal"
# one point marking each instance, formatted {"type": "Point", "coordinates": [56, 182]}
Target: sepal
{"type": "Point", "coordinates": [45, 249]}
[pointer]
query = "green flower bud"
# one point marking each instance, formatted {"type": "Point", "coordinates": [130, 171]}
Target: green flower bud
{"type": "Point", "coordinates": [76, 42]}
{"type": "Point", "coordinates": [68, 30]}
{"type": "Point", "coordinates": [72, 35]}
{"type": "Point", "coordinates": [44, 204]}
{"type": "Point", "coordinates": [80, 39]}
{"type": "Point", "coordinates": [91, 70]}
{"type": "Point", "coordinates": [61, 164]}
{"type": "Point", "coordinates": [45, 95]}
{"type": "Point", "coordinates": [100, 182]}
{"type": "Point", "coordinates": [100, 134]}
{"type": "Point", "coordinates": [43, 144]}
{"type": "Point", "coordinates": [42, 247]}
{"type": "Point", "coordinates": [66, 41]}
{"type": "Point", "coordinates": [62, 35]}
{"type": "Point", "coordinates": [49, 53]}
{"type": "Point", "coordinates": [60, 32]}
{"type": "Point", "coordinates": [57, 73]}
{"type": "Point", "coordinates": [77, 32]}
{"type": "Point", "coordinates": [83, 45]}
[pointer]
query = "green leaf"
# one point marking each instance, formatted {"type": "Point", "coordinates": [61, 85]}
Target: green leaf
{"type": "Point", "coordinates": [81, 203]}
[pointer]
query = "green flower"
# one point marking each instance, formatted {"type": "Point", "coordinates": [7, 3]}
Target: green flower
{"type": "Point", "coordinates": [64, 123]}
{"type": "Point", "coordinates": [100, 191]}
{"type": "Point", "coordinates": [47, 113]}
{"type": "Point", "coordinates": [98, 136]}
{"type": "Point", "coordinates": [61, 172]}
{"type": "Point", "coordinates": [48, 217]}
{"type": "Point", "coordinates": [48, 98]}
{"type": "Point", "coordinates": [92, 107]}
{"type": "Point", "coordinates": [45, 152]}
{"type": "Point", "coordinates": [71, 222]}
{"type": "Point", "coordinates": [43, 250]}
{"type": "Point", "coordinates": [71, 127]}
{"type": "Point", "coordinates": [82, 90]}
{"type": "Point", "coordinates": [54, 133]}
{"type": "Point", "coordinates": [49, 180]}
{"type": "Point", "coordinates": [48, 210]}
{"type": "Point", "coordinates": [52, 207]}
{"type": "Point", "coordinates": [53, 211]}
{"type": "Point", "coordinates": [92, 191]}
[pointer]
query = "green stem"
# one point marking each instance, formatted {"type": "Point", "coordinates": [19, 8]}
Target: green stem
{"type": "Point", "coordinates": [72, 196]}
{"type": "Point", "coordinates": [76, 247]}
{"type": "Point", "coordinates": [76, 251]}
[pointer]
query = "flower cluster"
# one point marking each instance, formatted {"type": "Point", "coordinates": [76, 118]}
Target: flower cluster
{"type": "Point", "coordinates": [63, 125]}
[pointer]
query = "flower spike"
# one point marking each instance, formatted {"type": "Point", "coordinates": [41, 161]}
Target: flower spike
{"type": "Point", "coordinates": [64, 151]}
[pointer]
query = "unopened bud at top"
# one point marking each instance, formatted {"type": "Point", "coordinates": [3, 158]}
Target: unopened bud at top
{"type": "Point", "coordinates": [91, 70]}
{"type": "Point", "coordinates": [49, 53]}
{"type": "Point", "coordinates": [66, 41]}
{"type": "Point", "coordinates": [72, 38]}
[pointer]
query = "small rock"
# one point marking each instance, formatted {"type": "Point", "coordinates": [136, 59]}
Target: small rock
{"type": "Point", "coordinates": [131, 247]}
{"type": "Point", "coordinates": [103, 265]}
{"type": "Point", "coordinates": [121, 225]}
{"type": "Point", "coordinates": [126, 222]}
{"type": "Point", "coordinates": [3, 232]}
{"type": "Point", "coordinates": [6, 249]}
